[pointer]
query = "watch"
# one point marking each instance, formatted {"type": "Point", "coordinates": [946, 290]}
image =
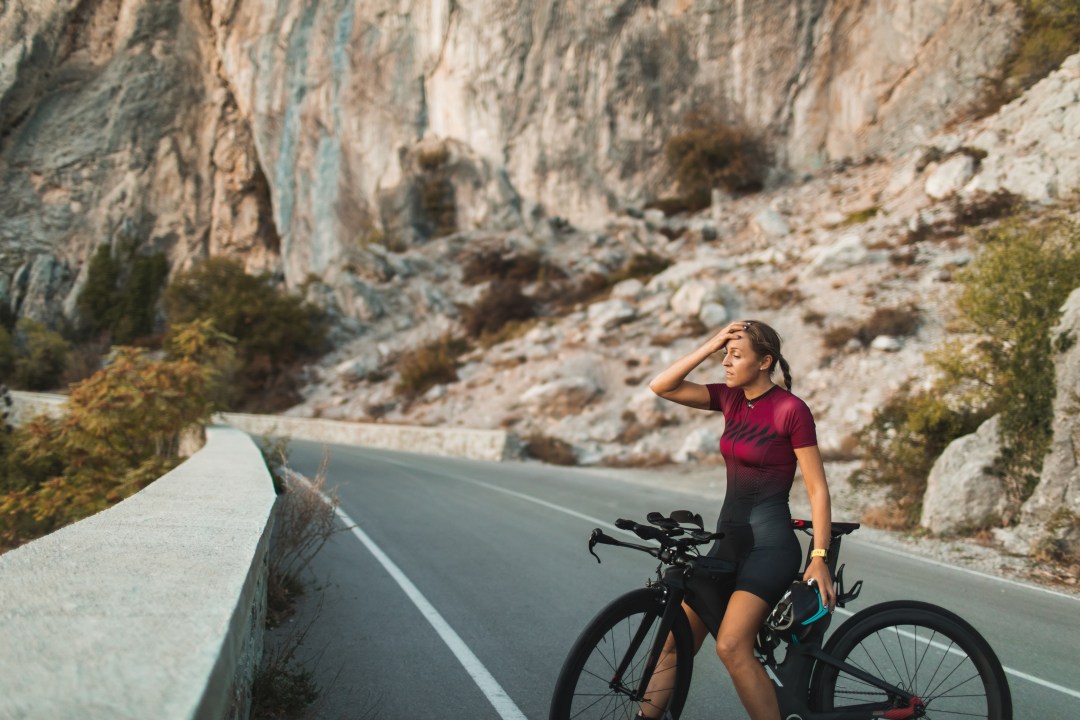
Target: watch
{"type": "Point", "coordinates": [819, 552]}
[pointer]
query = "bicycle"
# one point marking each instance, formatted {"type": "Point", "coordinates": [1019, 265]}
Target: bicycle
{"type": "Point", "coordinates": [898, 660]}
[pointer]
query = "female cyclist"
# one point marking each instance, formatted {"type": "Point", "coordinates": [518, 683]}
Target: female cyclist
{"type": "Point", "coordinates": [767, 431]}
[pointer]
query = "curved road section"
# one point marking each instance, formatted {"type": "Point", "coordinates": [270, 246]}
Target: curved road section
{"type": "Point", "coordinates": [463, 584]}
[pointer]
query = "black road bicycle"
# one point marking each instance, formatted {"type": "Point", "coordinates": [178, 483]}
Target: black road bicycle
{"type": "Point", "coordinates": [901, 659]}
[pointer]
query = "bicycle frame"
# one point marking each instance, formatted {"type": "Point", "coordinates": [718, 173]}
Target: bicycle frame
{"type": "Point", "coordinates": [792, 677]}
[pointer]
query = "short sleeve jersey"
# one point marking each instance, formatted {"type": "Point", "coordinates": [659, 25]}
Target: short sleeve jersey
{"type": "Point", "coordinates": [758, 445]}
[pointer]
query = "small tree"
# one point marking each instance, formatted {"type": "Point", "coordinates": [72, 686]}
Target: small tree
{"type": "Point", "coordinates": [274, 331]}
{"type": "Point", "coordinates": [121, 431]}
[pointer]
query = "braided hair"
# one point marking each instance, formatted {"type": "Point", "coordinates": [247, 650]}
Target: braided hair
{"type": "Point", "coordinates": [766, 341]}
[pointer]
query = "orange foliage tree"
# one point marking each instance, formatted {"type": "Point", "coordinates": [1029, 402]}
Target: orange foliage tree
{"type": "Point", "coordinates": [121, 431]}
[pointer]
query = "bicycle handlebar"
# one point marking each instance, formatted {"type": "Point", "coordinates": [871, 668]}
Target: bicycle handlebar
{"type": "Point", "coordinates": [671, 550]}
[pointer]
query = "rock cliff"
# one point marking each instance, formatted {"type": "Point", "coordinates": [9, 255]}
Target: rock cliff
{"type": "Point", "coordinates": [284, 132]}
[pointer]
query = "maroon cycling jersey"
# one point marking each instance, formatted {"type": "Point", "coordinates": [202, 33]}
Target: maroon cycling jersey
{"type": "Point", "coordinates": [758, 446]}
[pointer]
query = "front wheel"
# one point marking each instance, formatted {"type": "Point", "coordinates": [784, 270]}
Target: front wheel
{"type": "Point", "coordinates": [920, 648]}
{"type": "Point", "coordinates": [602, 675]}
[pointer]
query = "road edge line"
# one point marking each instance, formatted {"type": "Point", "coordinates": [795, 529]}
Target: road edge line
{"type": "Point", "coordinates": [487, 683]}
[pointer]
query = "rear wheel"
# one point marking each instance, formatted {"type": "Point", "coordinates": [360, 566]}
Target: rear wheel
{"type": "Point", "coordinates": [922, 649]}
{"type": "Point", "coordinates": [602, 674]}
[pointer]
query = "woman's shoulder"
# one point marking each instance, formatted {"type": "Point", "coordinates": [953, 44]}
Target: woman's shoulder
{"type": "Point", "coordinates": [790, 401]}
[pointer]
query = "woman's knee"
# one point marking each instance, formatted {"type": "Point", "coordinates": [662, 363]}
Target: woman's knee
{"type": "Point", "coordinates": [733, 649]}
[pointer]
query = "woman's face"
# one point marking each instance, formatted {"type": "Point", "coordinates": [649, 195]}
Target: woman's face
{"type": "Point", "coordinates": [742, 365]}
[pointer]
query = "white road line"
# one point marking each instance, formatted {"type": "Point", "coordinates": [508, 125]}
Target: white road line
{"type": "Point", "coordinates": [841, 611]}
{"type": "Point", "coordinates": [480, 675]}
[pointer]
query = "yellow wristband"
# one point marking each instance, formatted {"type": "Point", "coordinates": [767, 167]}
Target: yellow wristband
{"type": "Point", "coordinates": [819, 552]}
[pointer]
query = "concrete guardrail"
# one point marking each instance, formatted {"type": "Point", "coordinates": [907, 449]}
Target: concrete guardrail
{"type": "Point", "coordinates": [153, 608]}
{"type": "Point", "coordinates": [492, 445]}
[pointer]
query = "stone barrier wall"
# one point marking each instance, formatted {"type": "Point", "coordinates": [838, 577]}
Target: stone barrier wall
{"type": "Point", "coordinates": [153, 608]}
{"type": "Point", "coordinates": [492, 445]}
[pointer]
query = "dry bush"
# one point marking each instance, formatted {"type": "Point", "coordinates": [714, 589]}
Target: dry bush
{"type": "Point", "coordinates": [429, 365]}
{"type": "Point", "coordinates": [900, 321]}
{"type": "Point", "coordinates": [651, 459]}
{"type": "Point", "coordinates": [888, 517]}
{"type": "Point", "coordinates": [502, 303]}
{"type": "Point", "coordinates": [493, 265]}
{"type": "Point", "coordinates": [305, 519]}
{"type": "Point", "coordinates": [985, 207]}
{"type": "Point", "coordinates": [781, 297]}
{"type": "Point", "coordinates": [550, 450]}
{"type": "Point", "coordinates": [671, 205]}
{"type": "Point", "coordinates": [711, 153]}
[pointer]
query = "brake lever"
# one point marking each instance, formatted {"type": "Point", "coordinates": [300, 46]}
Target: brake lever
{"type": "Point", "coordinates": [593, 539]}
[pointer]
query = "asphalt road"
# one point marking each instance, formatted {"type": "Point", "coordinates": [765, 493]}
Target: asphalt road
{"type": "Point", "coordinates": [496, 553]}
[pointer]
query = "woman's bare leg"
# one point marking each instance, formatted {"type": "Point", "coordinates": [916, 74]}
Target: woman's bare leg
{"type": "Point", "coordinates": [735, 646]}
{"type": "Point", "coordinates": [663, 679]}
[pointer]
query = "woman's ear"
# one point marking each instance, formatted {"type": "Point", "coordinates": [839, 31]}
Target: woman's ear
{"type": "Point", "coordinates": [767, 362]}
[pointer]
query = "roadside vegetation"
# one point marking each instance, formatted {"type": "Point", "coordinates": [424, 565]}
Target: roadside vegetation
{"type": "Point", "coordinates": [1007, 302]}
{"type": "Point", "coordinates": [143, 366]}
{"type": "Point", "coordinates": [285, 685]}
{"type": "Point", "coordinates": [122, 429]}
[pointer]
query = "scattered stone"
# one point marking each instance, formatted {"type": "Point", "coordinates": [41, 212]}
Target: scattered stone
{"type": "Point", "coordinates": [610, 314]}
{"type": "Point", "coordinates": [770, 223]}
{"type": "Point", "coordinates": [714, 315]}
{"type": "Point", "coordinates": [887, 343]}
{"type": "Point", "coordinates": [562, 397]}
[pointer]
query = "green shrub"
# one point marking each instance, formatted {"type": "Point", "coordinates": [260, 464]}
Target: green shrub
{"type": "Point", "coordinates": [39, 358]}
{"type": "Point", "coordinates": [710, 154]}
{"type": "Point", "coordinates": [640, 266]}
{"type": "Point", "coordinates": [429, 365]}
{"type": "Point", "coordinates": [1009, 299]}
{"type": "Point", "coordinates": [120, 297]}
{"type": "Point", "coordinates": [7, 354]}
{"type": "Point", "coordinates": [1012, 294]}
{"type": "Point", "coordinates": [858, 217]}
{"type": "Point", "coordinates": [274, 331]}
{"type": "Point", "coordinates": [502, 303]}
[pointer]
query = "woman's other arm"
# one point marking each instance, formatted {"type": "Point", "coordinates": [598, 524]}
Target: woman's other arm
{"type": "Point", "coordinates": [813, 471]}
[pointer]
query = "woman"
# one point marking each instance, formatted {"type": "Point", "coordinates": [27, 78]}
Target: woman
{"type": "Point", "coordinates": [767, 430]}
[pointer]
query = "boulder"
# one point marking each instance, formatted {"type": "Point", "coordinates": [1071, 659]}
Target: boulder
{"type": "Point", "coordinates": [610, 314]}
{"type": "Point", "coordinates": [771, 224]}
{"type": "Point", "coordinates": [848, 251]}
{"type": "Point", "coordinates": [649, 409]}
{"type": "Point", "coordinates": [961, 493]}
{"type": "Point", "coordinates": [950, 176]}
{"type": "Point", "coordinates": [689, 299]}
{"type": "Point", "coordinates": [558, 398]}
{"type": "Point", "coordinates": [714, 315]}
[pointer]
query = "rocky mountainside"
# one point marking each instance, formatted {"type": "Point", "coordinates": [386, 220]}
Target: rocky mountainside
{"type": "Point", "coordinates": [364, 151]}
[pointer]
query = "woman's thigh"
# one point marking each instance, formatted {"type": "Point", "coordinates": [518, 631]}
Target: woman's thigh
{"type": "Point", "coordinates": [745, 614]}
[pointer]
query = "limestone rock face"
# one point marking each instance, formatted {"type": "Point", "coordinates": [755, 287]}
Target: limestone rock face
{"type": "Point", "coordinates": [960, 492]}
{"type": "Point", "coordinates": [284, 133]}
{"type": "Point", "coordinates": [1059, 485]}
{"type": "Point", "coordinates": [116, 122]}
{"type": "Point", "coordinates": [1033, 143]}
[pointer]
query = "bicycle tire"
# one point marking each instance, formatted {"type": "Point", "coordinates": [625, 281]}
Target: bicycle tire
{"type": "Point", "coordinates": [586, 689]}
{"type": "Point", "coordinates": [921, 648]}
